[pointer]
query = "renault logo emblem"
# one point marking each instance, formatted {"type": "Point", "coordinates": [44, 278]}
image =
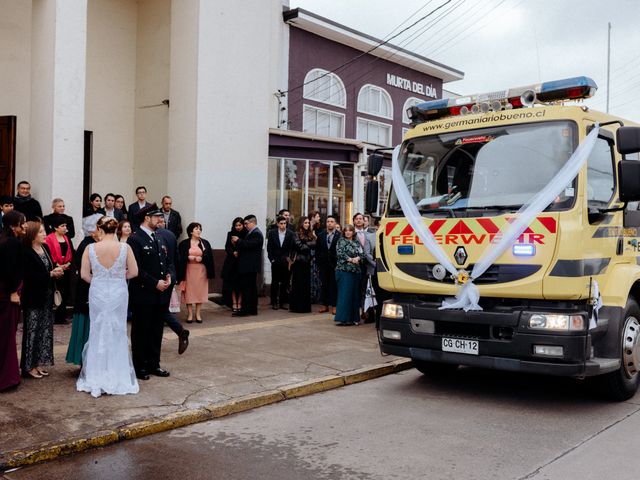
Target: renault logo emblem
{"type": "Point", "coordinates": [460, 255]}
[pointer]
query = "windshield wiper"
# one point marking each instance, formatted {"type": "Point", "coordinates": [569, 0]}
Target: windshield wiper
{"type": "Point", "coordinates": [495, 207]}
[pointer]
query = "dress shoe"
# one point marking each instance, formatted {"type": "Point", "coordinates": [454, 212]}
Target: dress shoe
{"type": "Point", "coordinates": [159, 372]}
{"type": "Point", "coordinates": [183, 341]}
{"type": "Point", "coordinates": [323, 310]}
{"type": "Point", "coordinates": [142, 375]}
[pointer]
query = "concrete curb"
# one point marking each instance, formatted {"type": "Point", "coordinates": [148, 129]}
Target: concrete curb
{"type": "Point", "coordinates": [52, 450]}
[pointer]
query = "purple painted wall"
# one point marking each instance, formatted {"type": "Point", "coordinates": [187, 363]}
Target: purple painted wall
{"type": "Point", "coordinates": [308, 51]}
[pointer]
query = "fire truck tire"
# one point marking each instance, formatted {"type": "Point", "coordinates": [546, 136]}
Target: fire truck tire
{"type": "Point", "coordinates": [622, 384]}
{"type": "Point", "coordinates": [434, 368]}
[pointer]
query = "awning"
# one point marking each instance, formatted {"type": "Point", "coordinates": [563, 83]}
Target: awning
{"type": "Point", "coordinates": [289, 144]}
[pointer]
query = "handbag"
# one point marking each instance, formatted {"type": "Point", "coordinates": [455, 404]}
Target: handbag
{"type": "Point", "coordinates": [291, 261]}
{"type": "Point", "coordinates": [174, 303]}
{"type": "Point", "coordinates": [57, 297]}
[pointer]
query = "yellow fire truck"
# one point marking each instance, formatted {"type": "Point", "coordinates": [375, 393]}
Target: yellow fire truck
{"type": "Point", "coordinates": [563, 297]}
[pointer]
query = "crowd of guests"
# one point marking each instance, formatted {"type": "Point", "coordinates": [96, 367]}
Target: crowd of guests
{"type": "Point", "coordinates": [42, 273]}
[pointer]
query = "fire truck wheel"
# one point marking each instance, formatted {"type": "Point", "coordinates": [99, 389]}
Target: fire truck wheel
{"type": "Point", "coordinates": [433, 368]}
{"type": "Point", "coordinates": [622, 384]}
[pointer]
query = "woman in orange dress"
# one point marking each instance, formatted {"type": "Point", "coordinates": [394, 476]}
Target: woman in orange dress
{"type": "Point", "coordinates": [194, 270]}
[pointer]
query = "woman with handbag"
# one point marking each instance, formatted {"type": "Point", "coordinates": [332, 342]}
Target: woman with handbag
{"type": "Point", "coordinates": [37, 303]}
{"type": "Point", "coordinates": [195, 269]}
{"type": "Point", "coordinates": [62, 255]}
{"type": "Point", "coordinates": [304, 243]}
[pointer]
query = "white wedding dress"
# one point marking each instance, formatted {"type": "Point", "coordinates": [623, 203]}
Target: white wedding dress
{"type": "Point", "coordinates": [106, 360]}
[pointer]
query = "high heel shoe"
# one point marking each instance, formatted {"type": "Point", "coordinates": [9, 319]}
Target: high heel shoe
{"type": "Point", "coordinates": [44, 373]}
{"type": "Point", "coordinates": [189, 320]}
{"type": "Point", "coordinates": [33, 375]}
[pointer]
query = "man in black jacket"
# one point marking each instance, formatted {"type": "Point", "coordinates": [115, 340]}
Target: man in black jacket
{"type": "Point", "coordinates": [279, 245]}
{"type": "Point", "coordinates": [149, 293]}
{"type": "Point", "coordinates": [249, 265]}
{"type": "Point", "coordinates": [326, 260]}
{"type": "Point", "coordinates": [172, 219]}
{"type": "Point", "coordinates": [169, 318]}
{"type": "Point", "coordinates": [135, 207]}
{"type": "Point", "coordinates": [25, 203]}
{"type": "Point", "coordinates": [57, 216]}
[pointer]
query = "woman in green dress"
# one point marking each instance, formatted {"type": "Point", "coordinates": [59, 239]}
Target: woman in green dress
{"type": "Point", "coordinates": [350, 256]}
{"type": "Point", "coordinates": [80, 325]}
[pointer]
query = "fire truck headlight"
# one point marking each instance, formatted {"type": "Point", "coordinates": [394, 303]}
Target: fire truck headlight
{"type": "Point", "coordinates": [392, 310]}
{"type": "Point", "coordinates": [567, 323]}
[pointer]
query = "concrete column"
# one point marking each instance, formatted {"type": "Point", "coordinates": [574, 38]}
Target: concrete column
{"type": "Point", "coordinates": [223, 76]}
{"type": "Point", "coordinates": [58, 70]}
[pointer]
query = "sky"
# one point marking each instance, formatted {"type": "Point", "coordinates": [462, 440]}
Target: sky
{"type": "Point", "coordinates": [500, 44]}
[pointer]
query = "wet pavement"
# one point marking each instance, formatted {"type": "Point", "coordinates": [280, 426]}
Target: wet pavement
{"type": "Point", "coordinates": [475, 424]}
{"type": "Point", "coordinates": [227, 358]}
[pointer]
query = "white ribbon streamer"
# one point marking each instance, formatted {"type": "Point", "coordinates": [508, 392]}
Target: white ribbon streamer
{"type": "Point", "coordinates": [468, 295]}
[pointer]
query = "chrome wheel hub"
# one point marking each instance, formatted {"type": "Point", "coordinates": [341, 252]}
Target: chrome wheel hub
{"type": "Point", "coordinates": [631, 347]}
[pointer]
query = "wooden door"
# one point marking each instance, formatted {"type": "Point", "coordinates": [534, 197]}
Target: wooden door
{"type": "Point", "coordinates": [7, 154]}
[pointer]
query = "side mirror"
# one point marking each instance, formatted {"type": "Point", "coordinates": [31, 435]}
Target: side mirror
{"type": "Point", "coordinates": [629, 178]}
{"type": "Point", "coordinates": [628, 140]}
{"type": "Point", "coordinates": [374, 164]}
{"type": "Point", "coordinates": [371, 196]}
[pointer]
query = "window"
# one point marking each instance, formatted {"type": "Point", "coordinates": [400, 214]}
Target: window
{"type": "Point", "coordinates": [600, 179]}
{"type": "Point", "coordinates": [323, 122]}
{"type": "Point", "coordinates": [325, 87]}
{"type": "Point", "coordinates": [411, 102]}
{"type": "Point", "coordinates": [374, 132]}
{"type": "Point", "coordinates": [375, 101]}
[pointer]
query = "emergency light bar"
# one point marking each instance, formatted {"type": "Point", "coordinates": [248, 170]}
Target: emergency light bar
{"type": "Point", "coordinates": [568, 89]}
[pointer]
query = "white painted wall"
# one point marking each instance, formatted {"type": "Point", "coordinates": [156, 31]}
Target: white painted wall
{"type": "Point", "coordinates": [235, 78]}
{"type": "Point", "coordinates": [57, 101]}
{"type": "Point", "coordinates": [153, 56]}
{"type": "Point", "coordinates": [110, 93]}
{"type": "Point", "coordinates": [15, 74]}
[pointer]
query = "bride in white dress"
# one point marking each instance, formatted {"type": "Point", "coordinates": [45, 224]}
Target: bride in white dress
{"type": "Point", "coordinates": [106, 359]}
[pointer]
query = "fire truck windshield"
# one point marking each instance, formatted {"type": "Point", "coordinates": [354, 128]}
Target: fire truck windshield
{"type": "Point", "coordinates": [492, 168]}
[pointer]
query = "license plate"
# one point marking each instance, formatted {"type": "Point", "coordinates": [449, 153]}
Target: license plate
{"type": "Point", "coordinates": [460, 345]}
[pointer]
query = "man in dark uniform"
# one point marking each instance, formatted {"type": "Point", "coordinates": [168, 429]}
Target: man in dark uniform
{"type": "Point", "coordinates": [249, 265]}
{"type": "Point", "coordinates": [149, 293]}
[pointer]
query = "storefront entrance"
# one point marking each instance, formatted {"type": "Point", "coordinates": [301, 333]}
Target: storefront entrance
{"type": "Point", "coordinates": [303, 186]}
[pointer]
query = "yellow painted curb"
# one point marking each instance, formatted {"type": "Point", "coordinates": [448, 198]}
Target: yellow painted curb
{"type": "Point", "coordinates": [51, 451]}
{"type": "Point", "coordinates": [313, 386]}
{"type": "Point", "coordinates": [248, 402]}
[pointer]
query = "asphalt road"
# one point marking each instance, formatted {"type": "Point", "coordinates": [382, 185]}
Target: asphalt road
{"type": "Point", "coordinates": [475, 424]}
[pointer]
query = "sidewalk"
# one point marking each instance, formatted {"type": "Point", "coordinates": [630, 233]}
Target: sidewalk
{"type": "Point", "coordinates": [232, 364]}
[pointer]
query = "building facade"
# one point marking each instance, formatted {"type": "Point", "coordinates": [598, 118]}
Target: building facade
{"type": "Point", "coordinates": [105, 95]}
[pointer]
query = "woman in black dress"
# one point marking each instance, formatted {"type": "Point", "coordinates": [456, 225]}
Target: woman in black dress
{"type": "Point", "coordinates": [13, 227]}
{"type": "Point", "coordinates": [37, 302]}
{"type": "Point", "coordinates": [304, 243]}
{"type": "Point", "coordinates": [231, 292]}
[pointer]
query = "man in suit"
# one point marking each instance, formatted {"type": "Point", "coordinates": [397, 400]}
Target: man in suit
{"type": "Point", "coordinates": [326, 259]}
{"type": "Point", "coordinates": [172, 218]}
{"type": "Point", "coordinates": [110, 209]}
{"type": "Point", "coordinates": [149, 293]}
{"type": "Point", "coordinates": [135, 207]}
{"type": "Point", "coordinates": [249, 265]}
{"type": "Point", "coordinates": [25, 203]}
{"type": "Point", "coordinates": [280, 242]}
{"type": "Point", "coordinates": [368, 242]}
{"type": "Point", "coordinates": [169, 318]}
{"type": "Point", "coordinates": [6, 205]}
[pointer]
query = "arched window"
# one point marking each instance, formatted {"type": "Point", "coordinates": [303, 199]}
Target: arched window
{"type": "Point", "coordinates": [323, 86]}
{"type": "Point", "coordinates": [411, 102]}
{"type": "Point", "coordinates": [375, 101]}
